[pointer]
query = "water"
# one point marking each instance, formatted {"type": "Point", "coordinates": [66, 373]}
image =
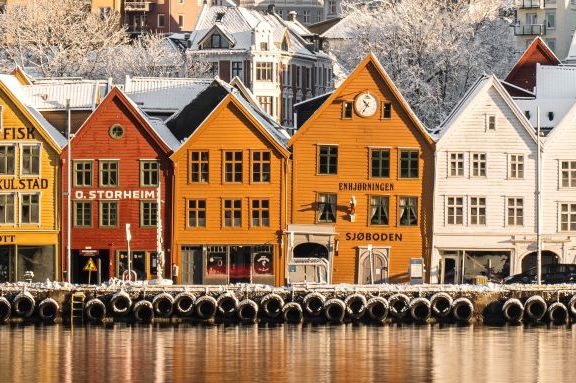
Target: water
{"type": "Point", "coordinates": [287, 353]}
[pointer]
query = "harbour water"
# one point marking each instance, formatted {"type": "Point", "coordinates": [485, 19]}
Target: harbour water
{"type": "Point", "coordinates": [287, 353]}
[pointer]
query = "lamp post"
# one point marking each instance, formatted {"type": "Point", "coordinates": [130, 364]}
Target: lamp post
{"type": "Point", "coordinates": [539, 202]}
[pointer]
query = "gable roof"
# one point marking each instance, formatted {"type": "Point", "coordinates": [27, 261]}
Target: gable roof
{"type": "Point", "coordinates": [369, 59]}
{"type": "Point", "coordinates": [52, 94]}
{"type": "Point", "coordinates": [523, 74]}
{"type": "Point", "coordinates": [565, 123]}
{"type": "Point", "coordinates": [222, 31]}
{"type": "Point", "coordinates": [483, 83]}
{"type": "Point", "coordinates": [21, 75]}
{"type": "Point", "coordinates": [11, 86]}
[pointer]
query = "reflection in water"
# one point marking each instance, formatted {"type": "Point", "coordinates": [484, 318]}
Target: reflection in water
{"type": "Point", "coordinates": [287, 353]}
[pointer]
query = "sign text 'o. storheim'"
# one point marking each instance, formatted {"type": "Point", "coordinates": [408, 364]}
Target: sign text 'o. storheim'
{"type": "Point", "coordinates": [115, 194]}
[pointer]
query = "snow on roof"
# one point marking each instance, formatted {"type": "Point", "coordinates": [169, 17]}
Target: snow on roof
{"type": "Point", "coordinates": [555, 81]}
{"type": "Point", "coordinates": [162, 93]}
{"type": "Point", "coordinates": [52, 94]}
{"type": "Point", "coordinates": [348, 27]}
{"type": "Point", "coordinates": [552, 110]}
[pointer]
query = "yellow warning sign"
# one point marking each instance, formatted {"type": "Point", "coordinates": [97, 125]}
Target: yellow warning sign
{"type": "Point", "coordinates": [90, 265]}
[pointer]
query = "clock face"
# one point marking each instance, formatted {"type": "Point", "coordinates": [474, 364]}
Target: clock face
{"type": "Point", "coordinates": [366, 104]}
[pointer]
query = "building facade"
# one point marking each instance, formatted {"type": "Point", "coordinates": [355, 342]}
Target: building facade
{"type": "Point", "coordinates": [161, 16]}
{"type": "Point", "coordinates": [307, 11]}
{"type": "Point", "coordinates": [362, 184]}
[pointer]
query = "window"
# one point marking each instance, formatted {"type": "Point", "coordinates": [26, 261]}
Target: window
{"type": "Point", "coordinates": [306, 17]}
{"type": "Point", "coordinates": [380, 162]}
{"type": "Point", "coordinates": [264, 71]}
{"type": "Point", "coordinates": [217, 41]}
{"type": "Point", "coordinates": [266, 103]}
{"type": "Point", "coordinates": [199, 167]}
{"type": "Point", "coordinates": [408, 211]}
{"type": "Point", "coordinates": [568, 217]}
{"type": "Point", "coordinates": [347, 109]}
{"type": "Point", "coordinates": [6, 208]}
{"type": "Point", "coordinates": [331, 7]}
{"type": "Point", "coordinates": [550, 19]}
{"type": "Point", "coordinates": [30, 160]}
{"type": "Point", "coordinates": [180, 21]}
{"type": "Point", "coordinates": [161, 19]}
{"type": "Point", "coordinates": [379, 210]}
{"type": "Point", "coordinates": [116, 131]}
{"type": "Point", "coordinates": [237, 69]}
{"type": "Point", "coordinates": [409, 163]}
{"type": "Point", "coordinates": [386, 110]}
{"type": "Point", "coordinates": [515, 211]}
{"type": "Point", "coordinates": [568, 174]}
{"type": "Point", "coordinates": [108, 213]}
{"type": "Point", "coordinates": [327, 159]}
{"type": "Point", "coordinates": [260, 213]}
{"type": "Point", "coordinates": [261, 166]}
{"type": "Point", "coordinates": [233, 166]}
{"type": "Point", "coordinates": [456, 164]}
{"type": "Point", "coordinates": [82, 173]}
{"type": "Point", "coordinates": [148, 213]}
{"type": "Point", "coordinates": [490, 122]}
{"type": "Point", "coordinates": [30, 208]}
{"type": "Point", "coordinates": [232, 213]}
{"type": "Point", "coordinates": [82, 213]}
{"type": "Point", "coordinates": [7, 159]}
{"type": "Point", "coordinates": [326, 210]}
{"type": "Point", "coordinates": [108, 173]}
{"type": "Point", "coordinates": [477, 210]}
{"type": "Point", "coordinates": [196, 213]}
{"type": "Point", "coordinates": [149, 173]}
{"type": "Point", "coordinates": [263, 46]}
{"type": "Point", "coordinates": [455, 210]}
{"type": "Point", "coordinates": [516, 170]}
{"type": "Point", "coordinates": [478, 164]}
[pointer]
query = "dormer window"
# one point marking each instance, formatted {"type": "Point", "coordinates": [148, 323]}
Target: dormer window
{"type": "Point", "coordinates": [217, 41]}
{"type": "Point", "coordinates": [284, 44]}
{"type": "Point", "coordinates": [219, 17]}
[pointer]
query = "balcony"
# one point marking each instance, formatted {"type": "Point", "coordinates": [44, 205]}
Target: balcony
{"type": "Point", "coordinates": [137, 6]}
{"type": "Point", "coordinates": [530, 4]}
{"type": "Point", "coordinates": [530, 30]}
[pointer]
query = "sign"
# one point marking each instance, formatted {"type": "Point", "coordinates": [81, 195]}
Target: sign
{"type": "Point", "coordinates": [365, 186]}
{"type": "Point", "coordinates": [263, 263]}
{"type": "Point", "coordinates": [23, 184]}
{"type": "Point", "coordinates": [7, 238]}
{"type": "Point", "coordinates": [384, 237]}
{"type": "Point", "coordinates": [90, 266]}
{"type": "Point", "coordinates": [115, 194]}
{"type": "Point", "coordinates": [89, 252]}
{"type": "Point", "coordinates": [18, 133]}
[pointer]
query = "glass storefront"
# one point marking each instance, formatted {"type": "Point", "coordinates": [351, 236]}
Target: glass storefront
{"type": "Point", "coordinates": [463, 266]}
{"type": "Point", "coordinates": [16, 260]}
{"type": "Point", "coordinates": [144, 263]}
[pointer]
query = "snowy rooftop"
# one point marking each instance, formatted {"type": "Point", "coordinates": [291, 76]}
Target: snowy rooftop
{"type": "Point", "coordinates": [349, 26]}
{"type": "Point", "coordinates": [552, 110]}
{"type": "Point", "coordinates": [555, 81]}
{"type": "Point", "coordinates": [52, 94]}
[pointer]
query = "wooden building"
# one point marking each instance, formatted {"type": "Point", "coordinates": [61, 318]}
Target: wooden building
{"type": "Point", "coordinates": [29, 188]}
{"type": "Point", "coordinates": [120, 158]}
{"type": "Point", "coordinates": [229, 190]}
{"type": "Point", "coordinates": [362, 184]}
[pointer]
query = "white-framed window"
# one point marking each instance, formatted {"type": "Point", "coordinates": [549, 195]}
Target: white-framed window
{"type": "Point", "coordinates": [516, 166]}
{"type": "Point", "coordinates": [456, 165]}
{"type": "Point", "coordinates": [266, 103]}
{"type": "Point", "coordinates": [550, 19]}
{"type": "Point", "coordinates": [477, 210]}
{"type": "Point", "coordinates": [455, 210]}
{"type": "Point", "coordinates": [490, 122]}
{"type": "Point", "coordinates": [567, 174]}
{"type": "Point", "coordinates": [515, 211]}
{"type": "Point", "coordinates": [568, 216]}
{"type": "Point", "coordinates": [326, 207]}
{"type": "Point", "coordinates": [306, 17]}
{"type": "Point", "coordinates": [478, 165]}
{"type": "Point", "coordinates": [161, 20]}
{"type": "Point", "coordinates": [264, 71]}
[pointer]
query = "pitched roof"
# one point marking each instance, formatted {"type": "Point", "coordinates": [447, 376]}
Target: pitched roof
{"type": "Point", "coordinates": [21, 75]}
{"type": "Point", "coordinates": [523, 74]}
{"type": "Point", "coordinates": [52, 94]}
{"type": "Point", "coordinates": [349, 26]}
{"type": "Point", "coordinates": [324, 25]}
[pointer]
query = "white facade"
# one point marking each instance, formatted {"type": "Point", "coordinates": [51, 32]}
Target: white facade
{"type": "Point", "coordinates": [484, 203]}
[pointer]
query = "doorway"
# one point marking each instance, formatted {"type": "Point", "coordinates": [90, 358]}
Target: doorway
{"type": "Point", "coordinates": [192, 266]}
{"type": "Point", "coordinates": [530, 261]}
{"type": "Point", "coordinates": [373, 265]}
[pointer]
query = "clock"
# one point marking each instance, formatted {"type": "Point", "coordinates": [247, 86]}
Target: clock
{"type": "Point", "coordinates": [365, 104]}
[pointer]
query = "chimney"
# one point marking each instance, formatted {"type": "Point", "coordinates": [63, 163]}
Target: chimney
{"type": "Point", "coordinates": [292, 15]}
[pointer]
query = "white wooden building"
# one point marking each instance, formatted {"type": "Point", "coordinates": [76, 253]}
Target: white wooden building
{"type": "Point", "coordinates": [485, 184]}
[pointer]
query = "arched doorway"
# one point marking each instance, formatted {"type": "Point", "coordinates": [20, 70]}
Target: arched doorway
{"type": "Point", "coordinates": [548, 258]}
{"type": "Point", "coordinates": [310, 250]}
{"type": "Point", "coordinates": [373, 266]}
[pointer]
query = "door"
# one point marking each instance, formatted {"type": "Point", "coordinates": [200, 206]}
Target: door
{"type": "Point", "coordinates": [5, 258]}
{"type": "Point", "coordinates": [450, 268]}
{"type": "Point", "coordinates": [374, 268]}
{"type": "Point", "coordinates": [240, 264]}
{"type": "Point", "coordinates": [192, 266]}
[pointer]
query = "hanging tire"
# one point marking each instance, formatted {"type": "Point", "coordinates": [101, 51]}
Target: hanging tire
{"type": "Point", "coordinates": [48, 310]}
{"type": "Point", "coordinates": [120, 303]}
{"type": "Point", "coordinates": [399, 305]}
{"type": "Point", "coordinates": [334, 310]}
{"type": "Point", "coordinates": [271, 305]}
{"type": "Point", "coordinates": [206, 307]}
{"type": "Point", "coordinates": [572, 306]}
{"type": "Point", "coordinates": [355, 305]}
{"type": "Point", "coordinates": [314, 303]}
{"type": "Point", "coordinates": [513, 311]}
{"type": "Point", "coordinates": [163, 304]}
{"type": "Point", "coordinates": [377, 309]}
{"type": "Point", "coordinates": [184, 303]}
{"type": "Point", "coordinates": [5, 310]}
{"type": "Point", "coordinates": [535, 308]}
{"type": "Point", "coordinates": [292, 313]}
{"type": "Point", "coordinates": [95, 310]}
{"type": "Point", "coordinates": [227, 304]}
{"type": "Point", "coordinates": [247, 311]}
{"type": "Point", "coordinates": [441, 305]}
{"type": "Point", "coordinates": [462, 310]}
{"type": "Point", "coordinates": [143, 311]}
{"type": "Point", "coordinates": [558, 313]}
{"type": "Point", "coordinates": [23, 304]}
{"type": "Point", "coordinates": [420, 309]}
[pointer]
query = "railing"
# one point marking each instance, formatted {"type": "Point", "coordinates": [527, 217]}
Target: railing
{"type": "Point", "coordinates": [529, 29]}
{"type": "Point", "coordinates": [528, 4]}
{"type": "Point", "coordinates": [137, 6]}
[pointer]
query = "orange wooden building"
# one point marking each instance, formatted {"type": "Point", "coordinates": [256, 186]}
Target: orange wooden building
{"type": "Point", "coordinates": [362, 184]}
{"type": "Point", "coordinates": [229, 191]}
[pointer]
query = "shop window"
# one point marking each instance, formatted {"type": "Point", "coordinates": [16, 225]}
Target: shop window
{"type": "Point", "coordinates": [7, 208]}
{"type": "Point", "coordinates": [82, 213]}
{"type": "Point", "coordinates": [516, 166]}
{"type": "Point", "coordinates": [30, 208]}
{"type": "Point", "coordinates": [196, 213]}
{"type": "Point", "coordinates": [477, 210]}
{"type": "Point", "coordinates": [380, 163]}
{"type": "Point", "coordinates": [455, 210]}
{"type": "Point", "coordinates": [456, 164]}
{"type": "Point", "coordinates": [409, 163]}
{"type": "Point", "coordinates": [261, 166]}
{"type": "Point", "coordinates": [478, 164]}
{"type": "Point", "coordinates": [327, 159]}
{"type": "Point", "coordinates": [232, 213]}
{"type": "Point", "coordinates": [233, 166]}
{"type": "Point", "coordinates": [568, 174]}
{"type": "Point", "coordinates": [379, 210]}
{"type": "Point", "coordinates": [326, 208]}
{"type": "Point", "coordinates": [30, 160]}
{"type": "Point", "coordinates": [408, 211]}
{"type": "Point", "coordinates": [216, 260]}
{"type": "Point", "coordinates": [495, 265]}
{"type": "Point", "coordinates": [568, 217]}
{"type": "Point", "coordinates": [148, 213]}
{"type": "Point", "coordinates": [260, 213]}
{"type": "Point", "coordinates": [108, 214]}
{"type": "Point", "coordinates": [7, 159]}
{"type": "Point", "coordinates": [199, 167]}
{"type": "Point", "coordinates": [264, 71]}
{"type": "Point", "coordinates": [149, 173]}
{"type": "Point", "coordinates": [82, 173]}
{"type": "Point", "coordinates": [515, 210]}
{"type": "Point", "coordinates": [386, 110]}
{"type": "Point", "coordinates": [263, 260]}
{"type": "Point", "coordinates": [37, 259]}
{"type": "Point", "coordinates": [109, 173]}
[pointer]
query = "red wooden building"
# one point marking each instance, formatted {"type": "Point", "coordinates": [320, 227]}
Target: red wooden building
{"type": "Point", "coordinates": [120, 159]}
